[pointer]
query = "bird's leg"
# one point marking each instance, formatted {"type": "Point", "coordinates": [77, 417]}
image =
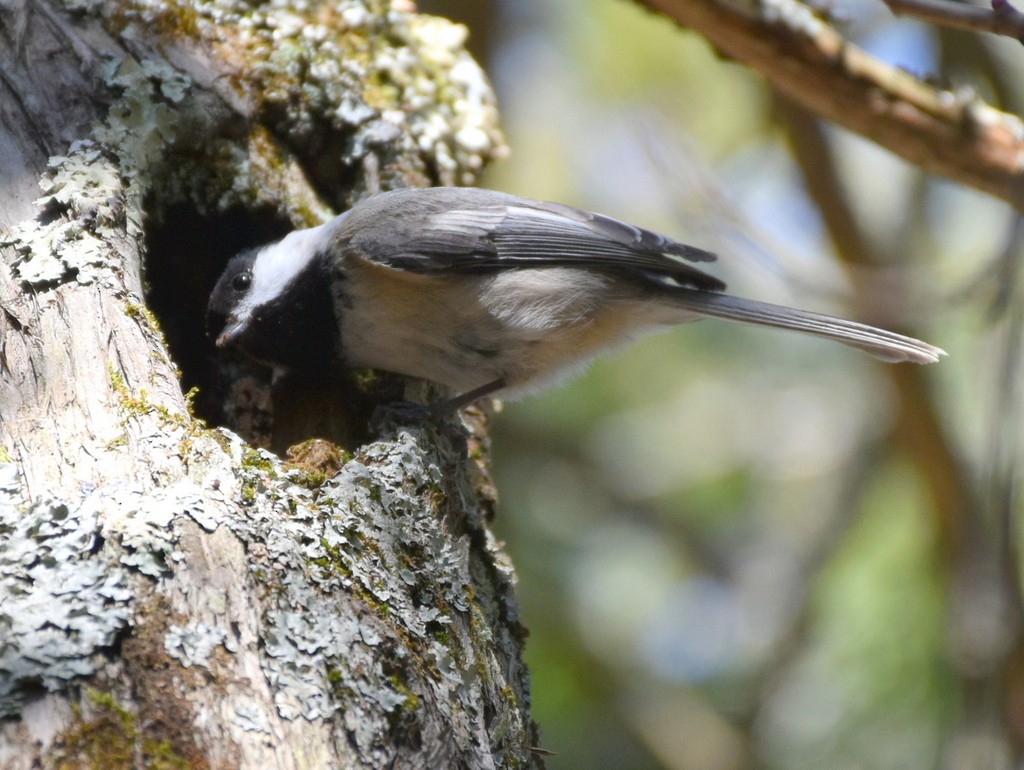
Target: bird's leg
{"type": "Point", "coordinates": [409, 411]}
{"type": "Point", "coordinates": [455, 403]}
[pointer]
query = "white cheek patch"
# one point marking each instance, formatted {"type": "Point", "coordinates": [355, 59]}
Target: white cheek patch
{"type": "Point", "coordinates": [280, 263]}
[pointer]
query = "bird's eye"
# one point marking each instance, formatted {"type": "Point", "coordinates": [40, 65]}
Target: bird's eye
{"type": "Point", "coordinates": [242, 281]}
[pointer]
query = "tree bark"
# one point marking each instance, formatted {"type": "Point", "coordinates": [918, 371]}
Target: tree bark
{"type": "Point", "coordinates": [171, 595]}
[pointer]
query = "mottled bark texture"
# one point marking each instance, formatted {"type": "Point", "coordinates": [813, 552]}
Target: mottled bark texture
{"type": "Point", "coordinates": [170, 595]}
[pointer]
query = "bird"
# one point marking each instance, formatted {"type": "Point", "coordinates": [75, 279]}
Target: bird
{"type": "Point", "coordinates": [484, 293]}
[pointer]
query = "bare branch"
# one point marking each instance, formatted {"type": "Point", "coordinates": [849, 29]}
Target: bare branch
{"type": "Point", "coordinates": [1001, 19]}
{"type": "Point", "coordinates": [952, 134]}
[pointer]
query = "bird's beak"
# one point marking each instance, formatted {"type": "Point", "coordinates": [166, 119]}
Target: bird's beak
{"type": "Point", "coordinates": [232, 331]}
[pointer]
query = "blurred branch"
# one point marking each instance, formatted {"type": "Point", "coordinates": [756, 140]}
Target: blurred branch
{"type": "Point", "coordinates": [989, 67]}
{"type": "Point", "coordinates": [952, 134]}
{"type": "Point", "coordinates": [978, 541]}
{"type": "Point", "coordinates": [918, 425]}
{"type": "Point", "coordinates": [1003, 483]}
{"type": "Point", "coordinates": [1001, 19]}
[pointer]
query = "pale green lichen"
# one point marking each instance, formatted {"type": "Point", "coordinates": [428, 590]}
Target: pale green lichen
{"type": "Point", "coordinates": [337, 85]}
{"type": "Point", "coordinates": [142, 122]}
{"type": "Point", "coordinates": [98, 186]}
{"type": "Point", "coordinates": [366, 532]}
{"type": "Point", "coordinates": [351, 98]}
{"type": "Point", "coordinates": [194, 644]}
{"type": "Point", "coordinates": [377, 84]}
{"type": "Point", "coordinates": [62, 602]}
{"type": "Point", "coordinates": [87, 186]}
{"type": "Point", "coordinates": [413, 629]}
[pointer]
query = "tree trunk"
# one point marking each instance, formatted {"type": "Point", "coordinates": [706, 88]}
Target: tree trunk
{"type": "Point", "coordinates": [170, 595]}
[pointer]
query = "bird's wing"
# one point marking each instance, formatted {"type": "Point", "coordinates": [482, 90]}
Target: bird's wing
{"type": "Point", "coordinates": [508, 232]}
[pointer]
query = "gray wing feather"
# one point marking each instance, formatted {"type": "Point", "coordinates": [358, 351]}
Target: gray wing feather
{"type": "Point", "coordinates": [461, 230]}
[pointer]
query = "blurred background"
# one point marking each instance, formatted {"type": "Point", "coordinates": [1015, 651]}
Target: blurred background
{"type": "Point", "coordinates": [741, 548]}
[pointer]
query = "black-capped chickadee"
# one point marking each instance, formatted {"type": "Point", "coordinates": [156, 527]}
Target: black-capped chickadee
{"type": "Point", "coordinates": [483, 292]}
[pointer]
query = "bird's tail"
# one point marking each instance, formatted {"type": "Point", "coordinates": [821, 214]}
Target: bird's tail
{"type": "Point", "coordinates": [886, 345]}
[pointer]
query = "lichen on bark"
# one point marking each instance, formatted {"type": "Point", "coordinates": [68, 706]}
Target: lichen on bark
{"type": "Point", "coordinates": [236, 610]}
